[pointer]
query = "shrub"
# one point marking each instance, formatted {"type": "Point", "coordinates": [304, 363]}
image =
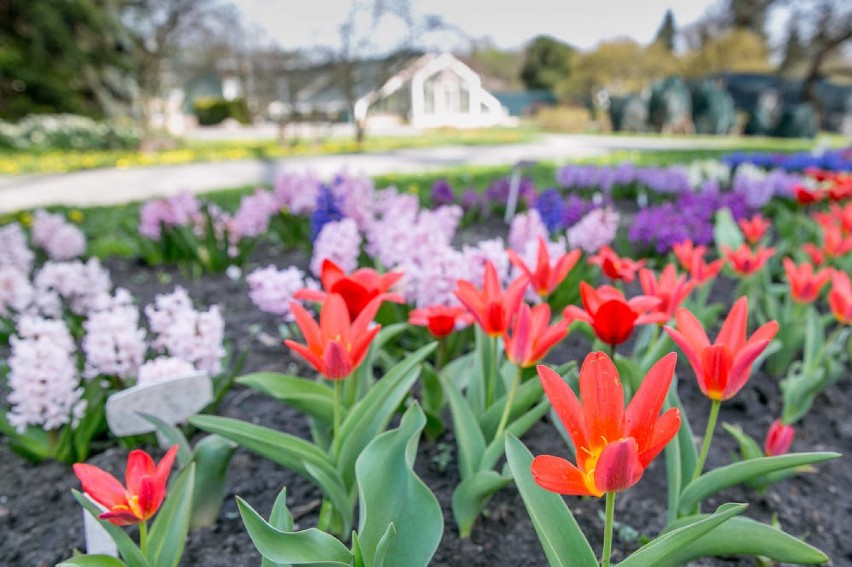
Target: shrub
{"type": "Point", "coordinates": [564, 118]}
{"type": "Point", "coordinates": [211, 110]}
{"type": "Point", "coordinates": [44, 132]}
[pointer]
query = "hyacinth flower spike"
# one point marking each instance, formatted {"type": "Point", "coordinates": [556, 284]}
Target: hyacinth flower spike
{"type": "Point", "coordinates": [357, 289]}
{"type": "Point", "coordinates": [723, 367]}
{"type": "Point", "coordinates": [139, 500]}
{"type": "Point", "coordinates": [547, 276]}
{"type": "Point", "coordinates": [613, 444]}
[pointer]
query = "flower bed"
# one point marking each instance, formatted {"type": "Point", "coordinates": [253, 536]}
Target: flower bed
{"type": "Point", "coordinates": [426, 246]}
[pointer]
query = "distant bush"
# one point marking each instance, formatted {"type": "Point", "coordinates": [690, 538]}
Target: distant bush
{"type": "Point", "coordinates": [564, 118]}
{"type": "Point", "coordinates": [211, 110]}
{"type": "Point", "coordinates": [45, 132]}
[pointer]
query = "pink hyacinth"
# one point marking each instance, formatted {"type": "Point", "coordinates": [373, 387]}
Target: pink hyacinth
{"type": "Point", "coordinates": [271, 289]}
{"type": "Point", "coordinates": [114, 343]}
{"type": "Point", "coordinates": [252, 216]}
{"type": "Point", "coordinates": [595, 230]}
{"type": "Point", "coordinates": [178, 210]}
{"type": "Point", "coordinates": [432, 279]}
{"type": "Point", "coordinates": [297, 193]}
{"type": "Point", "coordinates": [356, 196]}
{"type": "Point", "coordinates": [164, 368]}
{"type": "Point", "coordinates": [340, 242]}
{"type": "Point", "coordinates": [79, 285]}
{"type": "Point", "coordinates": [14, 250]}
{"type": "Point", "coordinates": [16, 291]}
{"type": "Point", "coordinates": [181, 331]}
{"type": "Point", "coordinates": [526, 227]}
{"type": "Point", "coordinates": [486, 251]}
{"type": "Point", "coordinates": [60, 239]}
{"type": "Point", "coordinates": [43, 382]}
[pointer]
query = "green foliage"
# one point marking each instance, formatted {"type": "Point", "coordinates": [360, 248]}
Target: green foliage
{"type": "Point", "coordinates": [63, 57]}
{"type": "Point", "coordinates": [210, 110]}
{"type": "Point", "coordinates": [667, 32]}
{"type": "Point", "coordinates": [45, 132]}
{"type": "Point", "coordinates": [547, 61]}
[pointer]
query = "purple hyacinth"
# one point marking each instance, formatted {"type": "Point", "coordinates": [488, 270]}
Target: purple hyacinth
{"type": "Point", "coordinates": [442, 193]}
{"type": "Point", "coordinates": [328, 210]}
{"type": "Point", "coordinates": [551, 208]}
{"type": "Point", "coordinates": [470, 200]}
{"type": "Point", "coordinates": [575, 209]}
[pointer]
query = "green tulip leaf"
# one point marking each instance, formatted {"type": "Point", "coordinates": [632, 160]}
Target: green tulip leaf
{"type": "Point", "coordinates": [561, 538]}
{"type": "Point", "coordinates": [126, 547]}
{"type": "Point", "coordinates": [307, 547]}
{"type": "Point", "coordinates": [664, 546]}
{"type": "Point", "coordinates": [726, 232]}
{"type": "Point", "coordinates": [212, 456]}
{"type": "Point", "coordinates": [406, 528]}
{"type": "Point", "coordinates": [518, 427]}
{"type": "Point", "coordinates": [744, 536]}
{"type": "Point", "coordinates": [471, 496]}
{"type": "Point", "coordinates": [92, 561]}
{"type": "Point", "coordinates": [281, 519]}
{"type": "Point", "coordinates": [527, 395]}
{"type": "Point", "coordinates": [718, 479]}
{"type": "Point", "coordinates": [168, 533]}
{"type": "Point", "coordinates": [371, 415]}
{"type": "Point", "coordinates": [469, 438]}
{"type": "Point", "coordinates": [315, 399]}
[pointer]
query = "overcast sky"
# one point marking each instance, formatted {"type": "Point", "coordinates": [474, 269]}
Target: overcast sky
{"type": "Point", "coordinates": [510, 23]}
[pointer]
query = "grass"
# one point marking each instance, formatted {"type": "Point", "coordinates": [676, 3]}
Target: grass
{"type": "Point", "coordinates": [16, 162]}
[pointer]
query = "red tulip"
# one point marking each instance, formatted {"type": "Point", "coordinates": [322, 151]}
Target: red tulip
{"type": "Point", "coordinates": [805, 196]}
{"type": "Point", "coordinates": [670, 288]}
{"type": "Point", "coordinates": [532, 335]}
{"type": "Point", "coordinates": [778, 439]}
{"type": "Point", "coordinates": [547, 276]}
{"type": "Point", "coordinates": [613, 445]}
{"type": "Point", "coordinates": [744, 261]}
{"type": "Point", "coordinates": [357, 289]}
{"type": "Point", "coordinates": [834, 244]}
{"type": "Point", "coordinates": [610, 315]}
{"type": "Point", "coordinates": [755, 228]}
{"type": "Point", "coordinates": [723, 368]}
{"type": "Point", "coordinates": [145, 491]}
{"type": "Point", "coordinates": [686, 251]}
{"type": "Point", "coordinates": [805, 285]}
{"type": "Point", "coordinates": [815, 253]}
{"type": "Point", "coordinates": [492, 308]}
{"type": "Point", "coordinates": [614, 266]}
{"type": "Point", "coordinates": [840, 297]}
{"type": "Point", "coordinates": [335, 347]}
{"type": "Point", "coordinates": [691, 258]}
{"type": "Point", "coordinates": [441, 320]}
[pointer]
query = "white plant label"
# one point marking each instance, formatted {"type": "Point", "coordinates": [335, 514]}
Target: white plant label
{"type": "Point", "coordinates": [173, 401]}
{"type": "Point", "coordinates": [98, 541]}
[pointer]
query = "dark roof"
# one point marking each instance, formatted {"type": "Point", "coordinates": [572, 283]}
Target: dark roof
{"type": "Point", "coordinates": [519, 102]}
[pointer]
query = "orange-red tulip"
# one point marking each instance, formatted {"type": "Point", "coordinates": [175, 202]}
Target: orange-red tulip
{"type": "Point", "coordinates": [532, 335]}
{"type": "Point", "coordinates": [441, 320]}
{"type": "Point", "coordinates": [805, 196]}
{"type": "Point", "coordinates": [547, 276]}
{"type": "Point", "coordinates": [143, 495]}
{"type": "Point", "coordinates": [615, 266]}
{"type": "Point", "coordinates": [691, 258]}
{"type": "Point", "coordinates": [779, 437]}
{"type": "Point", "coordinates": [834, 244]}
{"type": "Point", "coordinates": [671, 289]}
{"type": "Point", "coordinates": [754, 228]}
{"type": "Point", "coordinates": [357, 289]}
{"type": "Point", "coordinates": [335, 347]}
{"type": "Point", "coordinates": [685, 251]}
{"type": "Point", "coordinates": [721, 368]}
{"type": "Point", "coordinates": [744, 261]}
{"type": "Point", "coordinates": [492, 309]}
{"type": "Point", "coordinates": [611, 315]}
{"type": "Point", "coordinates": [805, 285]}
{"type": "Point", "coordinates": [613, 445]}
{"type": "Point", "coordinates": [840, 297]}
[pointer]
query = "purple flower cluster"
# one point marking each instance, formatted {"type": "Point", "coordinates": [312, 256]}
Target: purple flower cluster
{"type": "Point", "coordinates": [252, 216]}
{"type": "Point", "coordinates": [690, 217]}
{"type": "Point", "coordinates": [832, 160]}
{"type": "Point", "coordinates": [327, 210]}
{"type": "Point", "coordinates": [657, 179]}
{"type": "Point", "coordinates": [297, 193]}
{"type": "Point", "coordinates": [575, 209]}
{"type": "Point", "coordinates": [551, 208]}
{"type": "Point", "coordinates": [338, 241]}
{"type": "Point", "coordinates": [271, 289]}
{"type": "Point", "coordinates": [526, 227]}
{"type": "Point", "coordinates": [442, 193]}
{"type": "Point", "coordinates": [594, 231]}
{"type": "Point", "coordinates": [182, 209]}
{"type": "Point", "coordinates": [497, 192]}
{"type": "Point", "coordinates": [758, 187]}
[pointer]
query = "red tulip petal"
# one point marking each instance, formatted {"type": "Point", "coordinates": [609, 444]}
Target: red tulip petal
{"type": "Point", "coordinates": [566, 405]}
{"type": "Point", "coordinates": [362, 322]}
{"type": "Point", "coordinates": [309, 328]}
{"type": "Point", "coordinates": [741, 367]}
{"type": "Point", "coordinates": [603, 399]}
{"type": "Point", "coordinates": [336, 365]}
{"type": "Point", "coordinates": [150, 497]}
{"type": "Point", "coordinates": [120, 517]}
{"type": "Point", "coordinates": [308, 294]}
{"type": "Point", "coordinates": [573, 313]}
{"type": "Point", "coordinates": [614, 322]}
{"type": "Point", "coordinates": [300, 349]}
{"type": "Point", "coordinates": [104, 488]}
{"type": "Point", "coordinates": [558, 475]}
{"type": "Point", "coordinates": [361, 345]}
{"type": "Point", "coordinates": [665, 428]}
{"type": "Point", "coordinates": [139, 465]}
{"type": "Point", "coordinates": [334, 318]}
{"type": "Point", "coordinates": [164, 467]}
{"type": "Point", "coordinates": [490, 283]}
{"type": "Point", "coordinates": [590, 297]}
{"type": "Point", "coordinates": [642, 411]}
{"type": "Point", "coordinates": [733, 330]}
{"type": "Point", "coordinates": [716, 361]}
{"type": "Point", "coordinates": [618, 467]}
{"type": "Point", "coordinates": [330, 274]}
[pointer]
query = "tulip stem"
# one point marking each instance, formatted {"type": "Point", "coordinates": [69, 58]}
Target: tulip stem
{"type": "Point", "coordinates": [143, 537]}
{"type": "Point", "coordinates": [708, 437]}
{"type": "Point", "coordinates": [509, 399]}
{"type": "Point", "coordinates": [491, 379]}
{"type": "Point", "coordinates": [440, 354]}
{"type": "Point", "coordinates": [334, 439]}
{"type": "Point", "coordinates": [608, 522]}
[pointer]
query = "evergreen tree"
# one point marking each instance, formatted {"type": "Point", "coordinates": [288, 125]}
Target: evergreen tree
{"type": "Point", "coordinates": [62, 56]}
{"type": "Point", "coordinates": [547, 62]}
{"type": "Point", "coordinates": [666, 33]}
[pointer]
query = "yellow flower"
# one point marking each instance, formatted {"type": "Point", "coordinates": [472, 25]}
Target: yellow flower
{"type": "Point", "coordinates": [26, 219]}
{"type": "Point", "coordinates": [75, 216]}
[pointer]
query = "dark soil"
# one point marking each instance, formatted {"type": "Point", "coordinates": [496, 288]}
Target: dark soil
{"type": "Point", "coordinates": [40, 522]}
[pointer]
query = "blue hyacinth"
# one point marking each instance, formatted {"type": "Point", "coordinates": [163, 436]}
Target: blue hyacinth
{"type": "Point", "coordinates": [551, 209]}
{"type": "Point", "coordinates": [328, 210]}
